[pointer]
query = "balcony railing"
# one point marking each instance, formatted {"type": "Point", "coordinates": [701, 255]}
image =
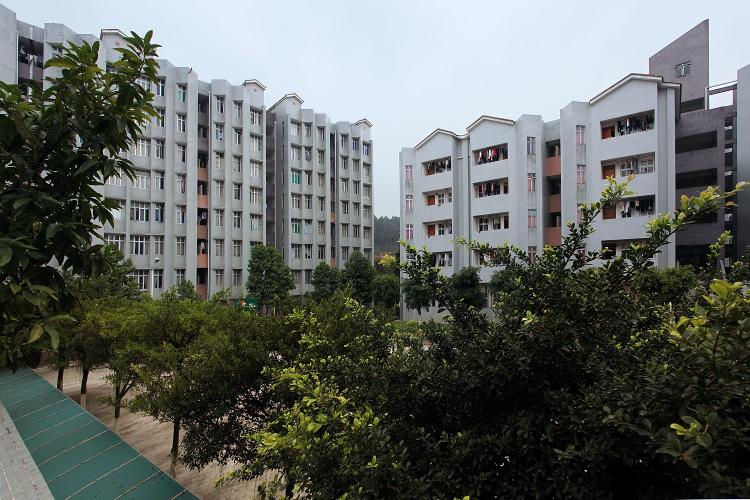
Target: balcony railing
{"type": "Point", "coordinates": [553, 236]}
{"type": "Point", "coordinates": [626, 125]}
{"type": "Point", "coordinates": [552, 166]}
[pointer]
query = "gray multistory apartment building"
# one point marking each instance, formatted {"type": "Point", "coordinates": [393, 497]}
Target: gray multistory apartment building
{"type": "Point", "coordinates": [520, 181]}
{"type": "Point", "coordinates": [217, 173]}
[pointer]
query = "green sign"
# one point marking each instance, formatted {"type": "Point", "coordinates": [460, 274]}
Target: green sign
{"type": "Point", "coordinates": [248, 303]}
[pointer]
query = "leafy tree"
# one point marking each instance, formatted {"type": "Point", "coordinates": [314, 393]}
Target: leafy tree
{"type": "Point", "coordinates": [326, 281]}
{"type": "Point", "coordinates": [56, 146]}
{"type": "Point", "coordinates": [172, 327]}
{"type": "Point", "coordinates": [185, 290]}
{"type": "Point", "coordinates": [387, 230]}
{"type": "Point", "coordinates": [359, 273]}
{"type": "Point", "coordinates": [556, 396]}
{"type": "Point", "coordinates": [269, 279]}
{"type": "Point", "coordinates": [386, 291]}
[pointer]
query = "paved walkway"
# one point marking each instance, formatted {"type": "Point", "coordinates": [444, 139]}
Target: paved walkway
{"type": "Point", "coordinates": [20, 478]}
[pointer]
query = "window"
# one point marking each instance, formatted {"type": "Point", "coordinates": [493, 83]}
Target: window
{"type": "Point", "coordinates": [138, 244]}
{"type": "Point", "coordinates": [219, 188]}
{"type": "Point", "coordinates": [296, 251]}
{"type": "Point", "coordinates": [237, 191]}
{"type": "Point", "coordinates": [580, 174]}
{"type": "Point", "coordinates": [181, 184]}
{"type": "Point", "coordinates": [308, 226]}
{"type": "Point", "coordinates": [344, 185]}
{"type": "Point", "coordinates": [296, 201]}
{"type": "Point", "coordinates": [322, 135]}
{"type": "Point", "coordinates": [366, 169]}
{"type": "Point", "coordinates": [308, 129]}
{"type": "Point", "coordinates": [180, 215]}
{"type": "Point", "coordinates": [308, 178]}
{"type": "Point", "coordinates": [142, 147]}
{"type": "Point", "coordinates": [237, 248]}
{"type": "Point", "coordinates": [294, 129]}
{"type": "Point", "coordinates": [646, 165]}
{"type": "Point", "coordinates": [321, 157]}
{"type": "Point", "coordinates": [344, 163]}
{"type": "Point", "coordinates": [491, 188]}
{"type": "Point", "coordinates": [580, 135]}
{"type": "Point", "coordinates": [531, 146]}
{"type": "Point", "coordinates": [344, 230]}
{"type": "Point", "coordinates": [355, 187]}
{"type": "Point", "coordinates": [159, 87]}
{"type": "Point", "coordinates": [159, 148]}
{"type": "Point", "coordinates": [238, 136]}
{"type": "Point", "coordinates": [219, 248]}
{"type": "Point", "coordinates": [237, 109]}
{"type": "Point", "coordinates": [157, 181]}
{"type": "Point", "coordinates": [219, 104]}
{"type": "Point", "coordinates": [308, 154]}
{"type": "Point", "coordinates": [321, 252]}
{"type": "Point", "coordinates": [116, 240]}
{"type": "Point", "coordinates": [158, 279]}
{"type": "Point", "coordinates": [159, 121]}
{"type": "Point", "coordinates": [437, 166]}
{"type": "Point", "coordinates": [321, 180]}
{"type": "Point", "coordinates": [308, 252]}
{"type": "Point", "coordinates": [408, 172]}
{"type": "Point", "coordinates": [255, 143]}
{"type": "Point", "coordinates": [181, 122]}
{"type": "Point", "coordinates": [255, 169]}
{"type": "Point", "coordinates": [236, 277]}
{"type": "Point", "coordinates": [255, 222]}
{"type": "Point", "coordinates": [344, 141]}
{"type": "Point", "coordinates": [409, 202]}
{"type": "Point", "coordinates": [355, 144]}
{"type": "Point", "coordinates": [219, 278]}
{"type": "Point", "coordinates": [179, 245]}
{"type": "Point", "coordinates": [296, 226]}
{"type": "Point", "coordinates": [295, 152]}
{"type": "Point", "coordinates": [531, 254]}
{"type": "Point", "coordinates": [141, 277]}
{"type": "Point", "coordinates": [491, 154]}
{"type": "Point", "coordinates": [256, 195]}
{"type": "Point", "coordinates": [295, 177]}
{"type": "Point", "coordinates": [219, 131]}
{"type": "Point", "coordinates": [179, 276]}
{"type": "Point", "coordinates": [181, 92]}
{"type": "Point", "coordinates": [182, 153]}
{"type": "Point", "coordinates": [254, 117]}
{"type": "Point", "coordinates": [321, 228]}
{"type": "Point", "coordinates": [532, 218]}
{"type": "Point", "coordinates": [116, 179]}
{"type": "Point", "coordinates": [219, 160]}
{"type": "Point", "coordinates": [218, 218]}
{"type": "Point", "coordinates": [142, 180]}
{"type": "Point", "coordinates": [682, 69]}
{"type": "Point", "coordinates": [345, 207]}
{"type": "Point", "coordinates": [159, 212]}
{"type": "Point", "coordinates": [236, 163]}
{"type": "Point", "coordinates": [531, 178]}
{"type": "Point", "coordinates": [237, 220]}
{"type": "Point", "coordinates": [308, 202]}
{"type": "Point", "coordinates": [366, 148]}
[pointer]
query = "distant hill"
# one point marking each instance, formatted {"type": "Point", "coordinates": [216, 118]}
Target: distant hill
{"type": "Point", "coordinates": [386, 234]}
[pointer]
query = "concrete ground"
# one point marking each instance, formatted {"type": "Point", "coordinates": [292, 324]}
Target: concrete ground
{"type": "Point", "coordinates": [151, 438]}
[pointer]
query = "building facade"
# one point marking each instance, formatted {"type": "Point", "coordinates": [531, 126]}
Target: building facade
{"type": "Point", "coordinates": [520, 181]}
{"type": "Point", "coordinates": [216, 174]}
{"type": "Point", "coordinates": [323, 189]}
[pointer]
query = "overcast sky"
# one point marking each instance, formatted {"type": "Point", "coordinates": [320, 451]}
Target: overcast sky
{"type": "Point", "coordinates": [413, 66]}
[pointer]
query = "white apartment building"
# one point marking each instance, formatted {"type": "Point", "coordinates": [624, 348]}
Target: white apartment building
{"type": "Point", "coordinates": [208, 169]}
{"type": "Point", "coordinates": [520, 181]}
{"type": "Point", "coordinates": [323, 185]}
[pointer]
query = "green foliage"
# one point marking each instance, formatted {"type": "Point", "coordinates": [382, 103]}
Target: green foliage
{"type": "Point", "coordinates": [387, 230]}
{"type": "Point", "coordinates": [56, 146]}
{"type": "Point", "coordinates": [269, 279]}
{"type": "Point", "coordinates": [326, 281]}
{"type": "Point", "coordinates": [359, 273]}
{"type": "Point", "coordinates": [386, 291]}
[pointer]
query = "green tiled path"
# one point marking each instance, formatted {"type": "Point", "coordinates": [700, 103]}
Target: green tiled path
{"type": "Point", "coordinates": [77, 455]}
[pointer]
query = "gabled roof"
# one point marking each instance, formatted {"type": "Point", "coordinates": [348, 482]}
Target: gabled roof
{"type": "Point", "coordinates": [488, 118]}
{"type": "Point", "coordinates": [436, 132]}
{"type": "Point", "coordinates": [638, 77]}
{"type": "Point", "coordinates": [254, 81]}
{"type": "Point", "coordinates": [287, 96]}
{"type": "Point", "coordinates": [363, 121]}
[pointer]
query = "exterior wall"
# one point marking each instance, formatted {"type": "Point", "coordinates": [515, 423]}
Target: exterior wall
{"type": "Point", "coordinates": [743, 155]}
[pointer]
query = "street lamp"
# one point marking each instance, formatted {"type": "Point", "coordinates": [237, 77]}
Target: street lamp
{"type": "Point", "coordinates": [156, 261]}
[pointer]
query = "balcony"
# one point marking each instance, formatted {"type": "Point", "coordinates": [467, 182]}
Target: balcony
{"type": "Point", "coordinates": [202, 231]}
{"type": "Point", "coordinates": [202, 201]}
{"type": "Point", "coordinates": [554, 203]}
{"type": "Point", "coordinates": [202, 291]}
{"type": "Point", "coordinates": [491, 154]}
{"type": "Point", "coordinates": [626, 125]}
{"type": "Point", "coordinates": [201, 260]}
{"type": "Point", "coordinates": [553, 236]}
{"type": "Point", "coordinates": [552, 166]}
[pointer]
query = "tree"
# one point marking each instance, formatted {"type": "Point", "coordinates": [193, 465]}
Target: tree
{"type": "Point", "coordinates": [359, 273]}
{"type": "Point", "coordinates": [269, 279]}
{"type": "Point", "coordinates": [387, 230]}
{"type": "Point", "coordinates": [386, 291]}
{"type": "Point", "coordinates": [56, 146]}
{"type": "Point", "coordinates": [326, 281]}
{"type": "Point", "coordinates": [172, 327]}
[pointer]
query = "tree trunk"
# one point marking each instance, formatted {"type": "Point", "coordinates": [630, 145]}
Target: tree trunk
{"type": "Point", "coordinates": [84, 388]}
{"type": "Point", "coordinates": [60, 373]}
{"type": "Point", "coordinates": [175, 440]}
{"type": "Point", "coordinates": [289, 490]}
{"type": "Point", "coordinates": [117, 402]}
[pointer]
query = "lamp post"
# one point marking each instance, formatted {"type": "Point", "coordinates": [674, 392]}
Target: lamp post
{"type": "Point", "coordinates": [156, 261]}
